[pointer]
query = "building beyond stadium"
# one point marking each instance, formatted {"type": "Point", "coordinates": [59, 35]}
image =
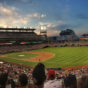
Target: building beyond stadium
{"type": "Point", "coordinates": [84, 37]}
{"type": "Point", "coordinates": [65, 36]}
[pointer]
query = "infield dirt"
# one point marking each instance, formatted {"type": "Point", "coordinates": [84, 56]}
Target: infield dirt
{"type": "Point", "coordinates": [42, 56]}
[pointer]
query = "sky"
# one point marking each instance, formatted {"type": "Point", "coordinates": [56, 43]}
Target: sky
{"type": "Point", "coordinates": [53, 15]}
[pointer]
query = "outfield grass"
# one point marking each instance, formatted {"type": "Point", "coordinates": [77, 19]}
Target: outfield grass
{"type": "Point", "coordinates": [64, 57]}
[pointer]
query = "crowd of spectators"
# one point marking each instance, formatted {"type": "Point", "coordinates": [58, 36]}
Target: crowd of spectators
{"type": "Point", "coordinates": [18, 76]}
{"type": "Point", "coordinates": [16, 48]}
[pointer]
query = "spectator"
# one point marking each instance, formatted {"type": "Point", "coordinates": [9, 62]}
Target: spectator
{"type": "Point", "coordinates": [70, 81]}
{"type": "Point", "coordinates": [4, 80]}
{"type": "Point", "coordinates": [23, 81]}
{"type": "Point", "coordinates": [52, 83]}
{"type": "Point", "coordinates": [83, 82]}
{"type": "Point", "coordinates": [39, 76]}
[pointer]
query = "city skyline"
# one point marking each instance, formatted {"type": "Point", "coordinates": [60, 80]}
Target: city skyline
{"type": "Point", "coordinates": [56, 15]}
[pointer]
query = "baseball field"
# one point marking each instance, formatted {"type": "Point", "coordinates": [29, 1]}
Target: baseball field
{"type": "Point", "coordinates": [51, 57]}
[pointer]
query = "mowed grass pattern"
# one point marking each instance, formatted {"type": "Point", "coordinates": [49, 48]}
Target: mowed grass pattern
{"type": "Point", "coordinates": [63, 57]}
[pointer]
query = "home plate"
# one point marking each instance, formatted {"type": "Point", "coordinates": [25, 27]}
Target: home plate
{"type": "Point", "coordinates": [21, 55]}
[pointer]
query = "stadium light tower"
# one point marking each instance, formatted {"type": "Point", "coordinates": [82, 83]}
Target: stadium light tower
{"type": "Point", "coordinates": [43, 32]}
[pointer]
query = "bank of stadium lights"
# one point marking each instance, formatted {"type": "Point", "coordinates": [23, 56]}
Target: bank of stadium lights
{"type": "Point", "coordinates": [43, 27]}
{"type": "Point", "coordinates": [5, 26]}
{"type": "Point", "coordinates": [15, 27]}
{"type": "Point", "coordinates": [31, 27]}
{"type": "Point", "coordinates": [18, 27]}
{"type": "Point", "coordinates": [24, 27]}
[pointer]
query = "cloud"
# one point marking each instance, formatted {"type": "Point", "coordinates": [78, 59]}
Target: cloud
{"type": "Point", "coordinates": [36, 15]}
{"type": "Point", "coordinates": [10, 2]}
{"type": "Point", "coordinates": [82, 16]}
{"type": "Point", "coordinates": [53, 29]}
{"type": "Point", "coordinates": [11, 16]}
